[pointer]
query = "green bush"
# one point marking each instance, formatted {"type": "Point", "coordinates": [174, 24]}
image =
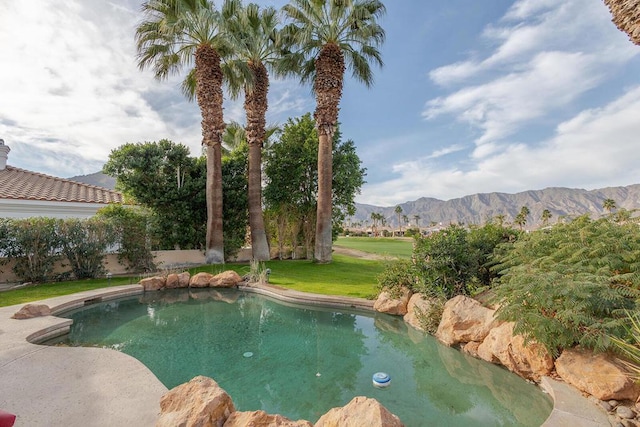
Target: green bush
{"type": "Point", "coordinates": [34, 244]}
{"type": "Point", "coordinates": [130, 229]}
{"type": "Point", "coordinates": [396, 275]}
{"type": "Point", "coordinates": [84, 243]}
{"type": "Point", "coordinates": [571, 284]}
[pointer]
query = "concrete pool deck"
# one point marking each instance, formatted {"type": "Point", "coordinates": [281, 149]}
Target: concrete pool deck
{"type": "Point", "coordinates": [79, 386]}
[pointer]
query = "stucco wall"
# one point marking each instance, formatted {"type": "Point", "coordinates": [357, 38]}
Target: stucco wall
{"type": "Point", "coordinates": [163, 259]}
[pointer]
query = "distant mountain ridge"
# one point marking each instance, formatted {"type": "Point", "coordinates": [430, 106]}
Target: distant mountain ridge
{"type": "Point", "coordinates": [478, 208]}
{"type": "Point", "coordinates": [98, 179]}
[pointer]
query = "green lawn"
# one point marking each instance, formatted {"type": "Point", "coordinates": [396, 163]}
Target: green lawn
{"type": "Point", "coordinates": [345, 276]}
{"type": "Point", "coordinates": [395, 247]}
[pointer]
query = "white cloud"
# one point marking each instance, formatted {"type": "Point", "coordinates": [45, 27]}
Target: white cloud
{"type": "Point", "coordinates": [596, 148]}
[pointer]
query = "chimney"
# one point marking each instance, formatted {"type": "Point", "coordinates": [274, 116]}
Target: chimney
{"type": "Point", "coordinates": [4, 153]}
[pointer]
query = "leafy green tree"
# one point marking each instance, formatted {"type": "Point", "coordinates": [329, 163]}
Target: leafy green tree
{"type": "Point", "coordinates": [183, 33]}
{"type": "Point", "coordinates": [292, 180]}
{"type": "Point", "coordinates": [235, 214]}
{"type": "Point", "coordinates": [571, 284]}
{"type": "Point", "coordinates": [162, 177]}
{"type": "Point", "coordinates": [255, 41]}
{"type": "Point", "coordinates": [326, 36]}
{"type": "Point", "coordinates": [546, 216]}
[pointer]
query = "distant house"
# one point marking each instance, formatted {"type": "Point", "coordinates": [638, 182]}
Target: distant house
{"type": "Point", "coordinates": [25, 194]}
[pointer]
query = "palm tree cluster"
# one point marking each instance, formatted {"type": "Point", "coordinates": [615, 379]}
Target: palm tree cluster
{"type": "Point", "coordinates": [239, 45]}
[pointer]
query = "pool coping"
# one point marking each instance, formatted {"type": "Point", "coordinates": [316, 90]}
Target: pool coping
{"type": "Point", "coordinates": [97, 387]}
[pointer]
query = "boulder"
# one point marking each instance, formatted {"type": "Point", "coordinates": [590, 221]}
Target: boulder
{"type": "Point", "coordinates": [261, 418]}
{"type": "Point", "coordinates": [392, 304]}
{"type": "Point", "coordinates": [471, 348]}
{"type": "Point", "coordinates": [183, 279]}
{"type": "Point", "coordinates": [465, 319]}
{"type": "Point", "coordinates": [200, 280]}
{"type": "Point", "coordinates": [226, 279]}
{"type": "Point", "coordinates": [531, 361]}
{"type": "Point", "coordinates": [153, 283]}
{"type": "Point", "coordinates": [172, 281]}
{"type": "Point", "coordinates": [361, 411]}
{"type": "Point", "coordinates": [417, 306]}
{"type": "Point", "coordinates": [597, 374]}
{"type": "Point", "coordinates": [30, 311]}
{"type": "Point", "coordinates": [199, 402]}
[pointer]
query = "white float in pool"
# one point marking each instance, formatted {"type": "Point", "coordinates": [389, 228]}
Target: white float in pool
{"type": "Point", "coordinates": [381, 379]}
{"type": "Point", "coordinates": [247, 354]}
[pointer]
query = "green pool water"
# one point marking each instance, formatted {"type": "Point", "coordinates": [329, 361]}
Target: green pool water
{"type": "Point", "coordinates": [301, 361]}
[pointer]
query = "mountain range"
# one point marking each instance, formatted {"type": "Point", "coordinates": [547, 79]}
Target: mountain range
{"type": "Point", "coordinates": [479, 208]}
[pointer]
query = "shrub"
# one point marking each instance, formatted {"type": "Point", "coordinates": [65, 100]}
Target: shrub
{"type": "Point", "coordinates": [34, 244]}
{"type": "Point", "coordinates": [571, 284]}
{"type": "Point", "coordinates": [396, 275]}
{"type": "Point", "coordinates": [430, 318]}
{"type": "Point", "coordinates": [130, 229]}
{"type": "Point", "coordinates": [84, 243]}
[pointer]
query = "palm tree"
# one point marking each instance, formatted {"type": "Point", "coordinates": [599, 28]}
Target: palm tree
{"type": "Point", "coordinates": [416, 218]}
{"type": "Point", "coordinates": [609, 205]}
{"type": "Point", "coordinates": [546, 216]}
{"type": "Point", "coordinates": [398, 211]}
{"type": "Point", "coordinates": [327, 36]}
{"type": "Point", "coordinates": [183, 33]}
{"type": "Point", "coordinates": [255, 41]}
{"type": "Point", "coordinates": [626, 16]}
{"type": "Point", "coordinates": [405, 219]}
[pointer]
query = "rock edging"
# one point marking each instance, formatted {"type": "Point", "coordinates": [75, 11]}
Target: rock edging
{"type": "Point", "coordinates": [202, 402]}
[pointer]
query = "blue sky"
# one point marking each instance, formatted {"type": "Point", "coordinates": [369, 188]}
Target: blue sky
{"type": "Point", "coordinates": [474, 97]}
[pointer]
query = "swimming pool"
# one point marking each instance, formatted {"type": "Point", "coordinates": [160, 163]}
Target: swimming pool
{"type": "Point", "coordinates": [300, 361]}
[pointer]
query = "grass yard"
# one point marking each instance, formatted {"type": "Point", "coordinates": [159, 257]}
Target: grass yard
{"type": "Point", "coordinates": [388, 246]}
{"type": "Point", "coordinates": [56, 289]}
{"type": "Point", "coordinates": [345, 276]}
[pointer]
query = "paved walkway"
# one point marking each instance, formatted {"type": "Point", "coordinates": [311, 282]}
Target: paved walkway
{"type": "Point", "coordinates": [60, 386]}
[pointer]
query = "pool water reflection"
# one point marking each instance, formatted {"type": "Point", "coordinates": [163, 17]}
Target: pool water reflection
{"type": "Point", "coordinates": [181, 334]}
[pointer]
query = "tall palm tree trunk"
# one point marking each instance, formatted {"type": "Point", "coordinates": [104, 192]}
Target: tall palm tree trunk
{"type": "Point", "coordinates": [328, 87]}
{"type": "Point", "coordinates": [209, 96]}
{"type": "Point", "coordinates": [256, 105]}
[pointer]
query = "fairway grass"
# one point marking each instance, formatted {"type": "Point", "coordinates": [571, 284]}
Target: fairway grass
{"type": "Point", "coordinates": [387, 246]}
{"type": "Point", "coordinates": [345, 276]}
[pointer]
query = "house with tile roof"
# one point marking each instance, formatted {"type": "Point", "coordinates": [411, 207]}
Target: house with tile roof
{"type": "Point", "coordinates": [25, 194]}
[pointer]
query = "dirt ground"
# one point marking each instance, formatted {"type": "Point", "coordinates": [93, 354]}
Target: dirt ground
{"type": "Point", "coordinates": [360, 254]}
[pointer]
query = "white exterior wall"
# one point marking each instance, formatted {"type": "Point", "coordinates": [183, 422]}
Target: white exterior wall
{"type": "Point", "coordinates": [11, 208]}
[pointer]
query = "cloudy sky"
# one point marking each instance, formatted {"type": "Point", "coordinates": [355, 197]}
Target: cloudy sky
{"type": "Point", "coordinates": [474, 97]}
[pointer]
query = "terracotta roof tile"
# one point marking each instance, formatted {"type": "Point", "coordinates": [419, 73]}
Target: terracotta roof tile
{"type": "Point", "coordinates": [18, 183]}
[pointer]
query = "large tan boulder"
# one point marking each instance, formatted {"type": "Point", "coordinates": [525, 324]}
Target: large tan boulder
{"type": "Point", "coordinates": [261, 418]}
{"type": "Point", "coordinates": [465, 319]}
{"type": "Point", "coordinates": [183, 279]}
{"type": "Point", "coordinates": [199, 403]}
{"type": "Point", "coordinates": [597, 374]}
{"type": "Point", "coordinates": [226, 279]}
{"type": "Point", "coordinates": [200, 280]}
{"type": "Point", "coordinates": [361, 411]}
{"type": "Point", "coordinates": [153, 283]}
{"type": "Point", "coordinates": [417, 307]}
{"type": "Point", "coordinates": [393, 304]}
{"type": "Point", "coordinates": [172, 281]}
{"type": "Point", "coordinates": [30, 311]}
{"type": "Point", "coordinates": [531, 361]}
